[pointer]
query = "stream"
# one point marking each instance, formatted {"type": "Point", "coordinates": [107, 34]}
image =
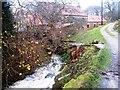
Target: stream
{"type": "Point", "coordinates": [43, 76]}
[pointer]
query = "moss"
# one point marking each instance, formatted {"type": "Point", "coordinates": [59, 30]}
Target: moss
{"type": "Point", "coordinates": [83, 81]}
{"type": "Point", "coordinates": [60, 83]}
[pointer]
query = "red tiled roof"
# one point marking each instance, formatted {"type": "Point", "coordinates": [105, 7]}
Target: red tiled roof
{"type": "Point", "coordinates": [66, 9]}
{"type": "Point", "coordinates": [73, 10]}
{"type": "Point", "coordinates": [37, 19]}
{"type": "Point", "coordinates": [95, 19]}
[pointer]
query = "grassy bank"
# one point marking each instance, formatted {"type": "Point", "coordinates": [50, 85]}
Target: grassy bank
{"type": "Point", "coordinates": [96, 61]}
{"type": "Point", "coordinates": [88, 36]}
{"type": "Point", "coordinates": [91, 79]}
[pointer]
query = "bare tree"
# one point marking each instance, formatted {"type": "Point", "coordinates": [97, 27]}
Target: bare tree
{"type": "Point", "coordinates": [93, 10]}
{"type": "Point", "coordinates": [111, 10]}
{"type": "Point", "coordinates": [52, 13]}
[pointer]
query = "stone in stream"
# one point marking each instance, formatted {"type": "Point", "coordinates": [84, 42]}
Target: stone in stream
{"type": "Point", "coordinates": [107, 78]}
{"type": "Point", "coordinates": [49, 75]}
{"type": "Point", "coordinates": [116, 74]}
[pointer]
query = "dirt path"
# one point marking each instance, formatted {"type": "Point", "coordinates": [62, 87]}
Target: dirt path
{"type": "Point", "coordinates": [111, 80]}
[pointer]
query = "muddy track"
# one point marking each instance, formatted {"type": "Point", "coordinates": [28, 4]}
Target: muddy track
{"type": "Point", "coordinates": [111, 79]}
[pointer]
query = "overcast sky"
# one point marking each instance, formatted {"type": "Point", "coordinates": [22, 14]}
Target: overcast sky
{"type": "Point", "coordinates": [83, 3]}
{"type": "Point", "coordinates": [86, 3]}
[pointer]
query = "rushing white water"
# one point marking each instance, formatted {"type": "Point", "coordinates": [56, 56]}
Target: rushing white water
{"type": "Point", "coordinates": [43, 76]}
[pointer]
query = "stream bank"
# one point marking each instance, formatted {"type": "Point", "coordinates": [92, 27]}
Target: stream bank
{"type": "Point", "coordinates": [82, 73]}
{"type": "Point", "coordinates": [60, 71]}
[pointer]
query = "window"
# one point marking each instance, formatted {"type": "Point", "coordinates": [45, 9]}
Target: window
{"type": "Point", "coordinates": [87, 26]}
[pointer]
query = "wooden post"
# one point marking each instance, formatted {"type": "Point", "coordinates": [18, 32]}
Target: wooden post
{"type": "Point", "coordinates": [101, 12]}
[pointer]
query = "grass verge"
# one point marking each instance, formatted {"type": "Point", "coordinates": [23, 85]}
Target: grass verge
{"type": "Point", "coordinates": [88, 36]}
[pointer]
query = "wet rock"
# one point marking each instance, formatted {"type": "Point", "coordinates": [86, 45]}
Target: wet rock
{"type": "Point", "coordinates": [57, 86]}
{"type": "Point", "coordinates": [49, 75]}
{"type": "Point", "coordinates": [107, 78]}
{"type": "Point", "coordinates": [62, 67]}
{"type": "Point", "coordinates": [101, 72]}
{"type": "Point", "coordinates": [116, 74]}
{"type": "Point", "coordinates": [60, 50]}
